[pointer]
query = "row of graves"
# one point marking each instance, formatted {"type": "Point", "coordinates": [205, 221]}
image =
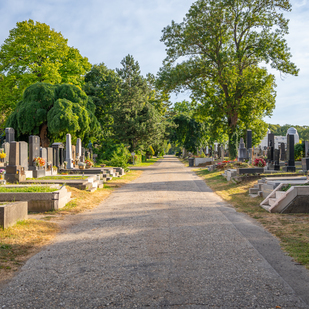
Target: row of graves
{"type": "Point", "coordinates": [24, 167]}
{"type": "Point", "coordinates": [286, 189]}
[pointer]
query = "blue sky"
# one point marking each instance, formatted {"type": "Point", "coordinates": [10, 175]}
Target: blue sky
{"type": "Point", "coordinates": [106, 31]}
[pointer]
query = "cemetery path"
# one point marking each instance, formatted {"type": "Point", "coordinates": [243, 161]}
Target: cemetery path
{"type": "Point", "coordinates": [163, 240]}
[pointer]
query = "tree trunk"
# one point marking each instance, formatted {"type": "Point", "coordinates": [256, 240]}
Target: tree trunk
{"type": "Point", "coordinates": [43, 136]}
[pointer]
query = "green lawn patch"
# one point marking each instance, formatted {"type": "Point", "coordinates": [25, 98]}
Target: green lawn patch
{"type": "Point", "coordinates": [147, 163]}
{"type": "Point", "coordinates": [41, 189]}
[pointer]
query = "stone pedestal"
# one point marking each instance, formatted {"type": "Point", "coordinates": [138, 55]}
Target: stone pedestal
{"type": "Point", "coordinates": [68, 146]}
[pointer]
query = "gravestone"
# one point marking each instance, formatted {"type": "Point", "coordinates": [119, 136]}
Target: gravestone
{"type": "Point", "coordinates": [43, 154]}
{"type": "Point", "coordinates": [50, 156]}
{"type": "Point", "coordinates": [78, 148]}
{"type": "Point", "coordinates": [74, 154]}
{"type": "Point", "coordinates": [242, 151]}
{"type": "Point", "coordinates": [249, 139]}
{"type": "Point", "coordinates": [23, 155]}
{"type": "Point", "coordinates": [222, 152]}
{"type": "Point", "coordinates": [82, 157]}
{"type": "Point", "coordinates": [276, 159]}
{"type": "Point", "coordinates": [290, 154]}
{"type": "Point", "coordinates": [6, 147]}
{"type": "Point", "coordinates": [9, 135]}
{"type": "Point", "coordinates": [58, 154]}
{"type": "Point", "coordinates": [68, 146]}
{"type": "Point", "coordinates": [282, 151]}
{"type": "Point", "coordinates": [34, 150]}
{"type": "Point", "coordinates": [14, 172]}
{"type": "Point", "coordinates": [271, 147]}
{"type": "Point", "coordinates": [306, 149]}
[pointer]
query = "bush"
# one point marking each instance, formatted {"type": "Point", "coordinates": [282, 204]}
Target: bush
{"type": "Point", "coordinates": [299, 151]}
{"type": "Point", "coordinates": [202, 155]}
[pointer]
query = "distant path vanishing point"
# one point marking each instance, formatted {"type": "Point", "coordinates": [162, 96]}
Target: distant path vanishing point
{"type": "Point", "coordinates": [163, 240]}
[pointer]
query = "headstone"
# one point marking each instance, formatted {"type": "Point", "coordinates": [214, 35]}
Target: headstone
{"type": "Point", "coordinates": [282, 151]}
{"type": "Point", "coordinates": [50, 156]}
{"type": "Point", "coordinates": [306, 149]}
{"type": "Point", "coordinates": [222, 152]}
{"type": "Point", "coordinates": [82, 157]}
{"type": "Point", "coordinates": [249, 139]}
{"type": "Point", "coordinates": [250, 155]}
{"type": "Point", "coordinates": [276, 159]}
{"type": "Point", "coordinates": [207, 150]}
{"type": "Point", "coordinates": [23, 155]}
{"type": "Point", "coordinates": [78, 148]}
{"type": "Point", "coordinates": [68, 146]}
{"type": "Point", "coordinates": [242, 151]}
{"type": "Point", "coordinates": [14, 154]}
{"type": "Point", "coordinates": [6, 147]}
{"type": "Point", "coordinates": [34, 150]}
{"type": "Point", "coordinates": [270, 148]}
{"type": "Point", "coordinates": [57, 154]}
{"type": "Point", "coordinates": [9, 135]}
{"type": "Point", "coordinates": [290, 154]}
{"type": "Point", "coordinates": [43, 154]}
{"type": "Point", "coordinates": [271, 140]}
{"type": "Point", "coordinates": [73, 153]}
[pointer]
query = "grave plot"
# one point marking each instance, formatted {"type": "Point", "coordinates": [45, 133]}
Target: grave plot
{"type": "Point", "coordinates": [11, 212]}
{"type": "Point", "coordinates": [40, 198]}
{"type": "Point", "coordinates": [81, 182]}
{"type": "Point", "coordinates": [288, 197]}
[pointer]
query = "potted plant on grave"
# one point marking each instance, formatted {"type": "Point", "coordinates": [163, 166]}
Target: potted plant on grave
{"type": "Point", "coordinates": [2, 172]}
{"type": "Point", "coordinates": [81, 165]}
{"type": "Point", "coordinates": [40, 162]}
{"type": "Point", "coordinates": [65, 163]}
{"type": "Point", "coordinates": [55, 168]}
{"type": "Point", "coordinates": [88, 163]}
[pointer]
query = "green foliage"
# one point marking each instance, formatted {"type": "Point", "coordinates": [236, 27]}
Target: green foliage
{"type": "Point", "coordinates": [223, 44]}
{"type": "Point", "coordinates": [299, 151]}
{"type": "Point", "coordinates": [137, 123]}
{"type": "Point", "coordinates": [150, 152]}
{"type": "Point", "coordinates": [303, 131]}
{"type": "Point", "coordinates": [55, 110]}
{"type": "Point", "coordinates": [32, 53]}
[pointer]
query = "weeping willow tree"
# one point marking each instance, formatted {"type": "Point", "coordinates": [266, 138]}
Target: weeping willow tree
{"type": "Point", "coordinates": [52, 111]}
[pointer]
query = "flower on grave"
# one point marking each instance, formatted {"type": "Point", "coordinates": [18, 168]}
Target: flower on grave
{"type": "Point", "coordinates": [55, 168]}
{"type": "Point", "coordinates": [39, 161]}
{"type": "Point", "coordinates": [2, 171]}
{"type": "Point", "coordinates": [88, 162]}
{"type": "Point", "coordinates": [2, 155]}
{"type": "Point", "coordinates": [260, 162]}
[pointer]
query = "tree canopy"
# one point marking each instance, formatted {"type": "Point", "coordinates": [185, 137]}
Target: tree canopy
{"type": "Point", "coordinates": [52, 111]}
{"type": "Point", "coordinates": [32, 53]}
{"type": "Point", "coordinates": [216, 52]}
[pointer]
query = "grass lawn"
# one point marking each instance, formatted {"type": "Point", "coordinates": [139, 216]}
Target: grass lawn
{"type": "Point", "coordinates": [291, 229]}
{"type": "Point", "coordinates": [19, 242]}
{"type": "Point", "coordinates": [37, 189]}
{"type": "Point", "coordinates": [147, 163]}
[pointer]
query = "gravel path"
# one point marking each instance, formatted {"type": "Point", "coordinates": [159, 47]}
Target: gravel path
{"type": "Point", "coordinates": [160, 241]}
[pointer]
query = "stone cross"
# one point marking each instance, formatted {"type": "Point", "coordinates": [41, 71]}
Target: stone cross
{"type": "Point", "coordinates": [68, 146]}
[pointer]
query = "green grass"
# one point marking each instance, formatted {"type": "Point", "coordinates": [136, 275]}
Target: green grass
{"type": "Point", "coordinates": [27, 189]}
{"type": "Point", "coordinates": [291, 229]}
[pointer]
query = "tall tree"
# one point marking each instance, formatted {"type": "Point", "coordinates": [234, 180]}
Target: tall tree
{"type": "Point", "coordinates": [137, 123]}
{"type": "Point", "coordinates": [223, 43]}
{"type": "Point", "coordinates": [32, 53]}
{"type": "Point", "coordinates": [52, 111]}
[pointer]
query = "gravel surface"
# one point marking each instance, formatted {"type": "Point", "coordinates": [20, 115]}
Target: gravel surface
{"type": "Point", "coordinates": [160, 241]}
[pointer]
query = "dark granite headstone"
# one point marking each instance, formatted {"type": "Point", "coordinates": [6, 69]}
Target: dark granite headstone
{"type": "Point", "coordinates": [271, 147]}
{"type": "Point", "coordinates": [23, 155]}
{"type": "Point", "coordinates": [276, 159]}
{"type": "Point", "coordinates": [57, 154]}
{"type": "Point", "coordinates": [34, 150]}
{"type": "Point", "coordinates": [249, 139]}
{"type": "Point", "coordinates": [9, 135]}
{"type": "Point", "coordinates": [305, 164]}
{"type": "Point", "coordinates": [290, 154]}
{"type": "Point", "coordinates": [282, 151]}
